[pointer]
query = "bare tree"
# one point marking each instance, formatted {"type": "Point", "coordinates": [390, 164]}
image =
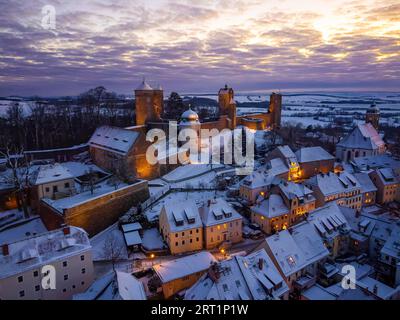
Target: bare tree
{"type": "Point", "coordinates": [18, 176]}
{"type": "Point", "coordinates": [112, 249]}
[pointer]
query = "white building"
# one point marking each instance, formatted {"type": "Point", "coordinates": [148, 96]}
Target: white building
{"type": "Point", "coordinates": [22, 264]}
{"type": "Point", "coordinates": [363, 141]}
{"type": "Point", "coordinates": [253, 277]}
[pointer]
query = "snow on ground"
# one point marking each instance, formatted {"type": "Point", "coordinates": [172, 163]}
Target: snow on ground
{"type": "Point", "coordinates": [190, 170]}
{"type": "Point", "coordinates": [22, 229]}
{"type": "Point", "coordinates": [25, 107]}
{"type": "Point", "coordinates": [100, 239]}
{"type": "Point", "coordinates": [152, 240]}
{"type": "Point", "coordinates": [77, 169]}
{"type": "Point", "coordinates": [97, 287]}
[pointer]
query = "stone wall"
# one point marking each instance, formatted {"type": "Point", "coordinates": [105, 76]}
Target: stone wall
{"type": "Point", "coordinates": [98, 213]}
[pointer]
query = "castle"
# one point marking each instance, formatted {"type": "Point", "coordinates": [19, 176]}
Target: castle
{"type": "Point", "coordinates": [123, 150]}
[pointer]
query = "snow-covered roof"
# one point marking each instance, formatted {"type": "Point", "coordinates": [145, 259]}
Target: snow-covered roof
{"type": "Point", "coordinates": [129, 287]}
{"type": "Point", "coordinates": [271, 207]}
{"type": "Point", "coordinates": [363, 136]}
{"type": "Point", "coordinates": [144, 86]}
{"type": "Point", "coordinates": [382, 290]}
{"type": "Point", "coordinates": [366, 183]}
{"type": "Point", "coordinates": [387, 176]}
{"type": "Point", "coordinates": [131, 227]}
{"type": "Point", "coordinates": [175, 269]}
{"type": "Point", "coordinates": [132, 238]}
{"type": "Point", "coordinates": [52, 173]}
{"type": "Point", "coordinates": [296, 190]}
{"type": "Point", "coordinates": [113, 139]}
{"type": "Point", "coordinates": [328, 220]}
{"type": "Point", "coordinates": [264, 176]}
{"type": "Point", "coordinates": [331, 183]}
{"type": "Point", "coordinates": [253, 277]}
{"type": "Point", "coordinates": [217, 211]}
{"type": "Point", "coordinates": [182, 215]}
{"type": "Point", "coordinates": [376, 162]}
{"type": "Point", "coordinates": [313, 154]}
{"type": "Point", "coordinates": [287, 152]}
{"type": "Point", "coordinates": [296, 248]}
{"type": "Point", "coordinates": [43, 249]}
{"type": "Point", "coordinates": [392, 245]}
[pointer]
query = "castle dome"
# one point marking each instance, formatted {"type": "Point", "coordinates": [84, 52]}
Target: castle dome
{"type": "Point", "coordinates": [373, 108]}
{"type": "Point", "coordinates": [144, 86]}
{"type": "Point", "coordinates": [189, 116]}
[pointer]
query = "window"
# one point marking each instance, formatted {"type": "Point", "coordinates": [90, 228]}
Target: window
{"type": "Point", "coordinates": [83, 270]}
{"type": "Point", "coordinates": [74, 286]}
{"type": "Point", "coordinates": [37, 288]}
{"type": "Point", "coordinates": [47, 189]}
{"type": "Point", "coordinates": [191, 240]}
{"type": "Point", "coordinates": [183, 234]}
{"type": "Point", "coordinates": [20, 279]}
{"type": "Point", "coordinates": [183, 242]}
{"type": "Point", "coordinates": [197, 239]}
{"type": "Point", "coordinates": [176, 244]}
{"type": "Point", "coordinates": [82, 283]}
{"type": "Point", "coordinates": [176, 235]}
{"type": "Point", "coordinates": [65, 263]}
{"type": "Point", "coordinates": [55, 188]}
{"type": "Point", "coordinates": [22, 293]}
{"type": "Point", "coordinates": [64, 290]}
{"type": "Point", "coordinates": [65, 277]}
{"type": "Point", "coordinates": [66, 185]}
{"type": "Point", "coordinates": [82, 258]}
{"type": "Point", "coordinates": [35, 273]}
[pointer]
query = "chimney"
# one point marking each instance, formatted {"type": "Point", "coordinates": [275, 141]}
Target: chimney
{"type": "Point", "coordinates": [6, 250]}
{"type": "Point", "coordinates": [260, 264]}
{"type": "Point", "coordinates": [66, 231]}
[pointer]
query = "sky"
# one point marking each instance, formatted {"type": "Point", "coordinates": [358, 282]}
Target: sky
{"type": "Point", "coordinates": [197, 46]}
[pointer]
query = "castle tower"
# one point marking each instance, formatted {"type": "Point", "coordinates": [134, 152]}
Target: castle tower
{"type": "Point", "coordinates": [149, 103]}
{"type": "Point", "coordinates": [275, 108]}
{"type": "Point", "coordinates": [227, 104]}
{"type": "Point", "coordinates": [372, 116]}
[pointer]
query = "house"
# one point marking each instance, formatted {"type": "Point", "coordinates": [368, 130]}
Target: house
{"type": "Point", "coordinates": [341, 187]}
{"type": "Point", "coordinates": [221, 223]}
{"type": "Point", "coordinates": [261, 180]}
{"type": "Point", "coordinates": [271, 214]}
{"type": "Point", "coordinates": [368, 188]}
{"type": "Point", "coordinates": [370, 230]}
{"type": "Point", "coordinates": [297, 253]}
{"type": "Point", "coordinates": [389, 258]}
{"type": "Point", "coordinates": [187, 227]}
{"type": "Point", "coordinates": [93, 210]}
{"type": "Point", "coordinates": [336, 292]}
{"type": "Point", "coordinates": [116, 285]}
{"type": "Point", "coordinates": [177, 275]}
{"type": "Point", "coordinates": [288, 158]}
{"type": "Point", "coordinates": [253, 277]}
{"type": "Point", "coordinates": [53, 181]}
{"type": "Point", "coordinates": [181, 227]}
{"type": "Point", "coordinates": [388, 185]}
{"type": "Point", "coordinates": [333, 228]}
{"type": "Point", "coordinates": [297, 197]}
{"type": "Point", "coordinates": [363, 141]}
{"type": "Point", "coordinates": [27, 263]}
{"type": "Point", "coordinates": [314, 160]}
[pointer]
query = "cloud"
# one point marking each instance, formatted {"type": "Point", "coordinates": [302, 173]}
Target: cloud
{"type": "Point", "coordinates": [197, 47]}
